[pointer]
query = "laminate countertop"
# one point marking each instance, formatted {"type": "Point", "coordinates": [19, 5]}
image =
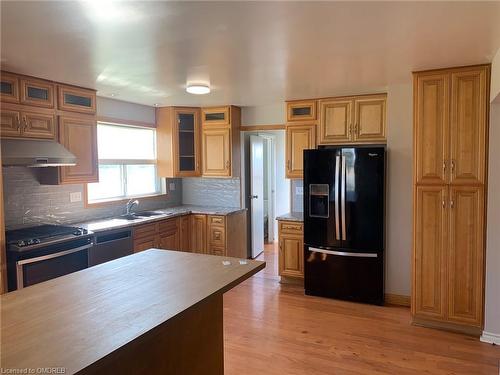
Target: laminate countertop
{"type": "Point", "coordinates": [292, 216]}
{"type": "Point", "coordinates": [114, 313]}
{"type": "Point", "coordinates": [165, 213]}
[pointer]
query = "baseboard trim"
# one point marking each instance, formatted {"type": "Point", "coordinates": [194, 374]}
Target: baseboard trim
{"type": "Point", "coordinates": [490, 338]}
{"type": "Point", "coordinates": [446, 326]}
{"type": "Point", "coordinates": [397, 300]}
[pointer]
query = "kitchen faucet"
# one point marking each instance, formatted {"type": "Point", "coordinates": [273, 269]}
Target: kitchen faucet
{"type": "Point", "coordinates": [130, 204]}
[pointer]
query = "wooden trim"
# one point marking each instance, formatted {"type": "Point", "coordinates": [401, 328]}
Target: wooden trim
{"type": "Point", "coordinates": [249, 128]}
{"type": "Point", "coordinates": [3, 263]}
{"type": "Point", "coordinates": [455, 68]}
{"type": "Point", "coordinates": [352, 96]}
{"type": "Point", "coordinates": [397, 300]}
{"type": "Point", "coordinates": [116, 201]}
{"type": "Point", "coordinates": [446, 326]}
{"type": "Point", "coordinates": [119, 121]}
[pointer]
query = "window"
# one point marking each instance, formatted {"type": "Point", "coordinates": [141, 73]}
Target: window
{"type": "Point", "coordinates": [127, 163]}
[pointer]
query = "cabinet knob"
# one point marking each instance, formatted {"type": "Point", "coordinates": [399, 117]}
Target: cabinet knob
{"type": "Point", "coordinates": [288, 165]}
{"type": "Point", "coordinates": [452, 166]}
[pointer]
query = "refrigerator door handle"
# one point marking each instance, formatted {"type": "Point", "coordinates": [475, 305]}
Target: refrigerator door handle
{"type": "Point", "coordinates": [337, 213]}
{"type": "Point", "coordinates": [344, 253]}
{"type": "Point", "coordinates": [342, 198]}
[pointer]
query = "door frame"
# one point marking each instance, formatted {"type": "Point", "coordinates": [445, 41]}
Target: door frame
{"type": "Point", "coordinates": [271, 184]}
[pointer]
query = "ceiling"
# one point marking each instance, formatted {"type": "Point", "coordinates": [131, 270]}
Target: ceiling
{"type": "Point", "coordinates": [251, 53]}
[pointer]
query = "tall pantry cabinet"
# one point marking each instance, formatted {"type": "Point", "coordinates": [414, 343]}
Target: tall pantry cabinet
{"type": "Point", "coordinates": [450, 153]}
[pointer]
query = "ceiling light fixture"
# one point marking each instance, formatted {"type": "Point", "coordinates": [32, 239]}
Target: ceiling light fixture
{"type": "Point", "coordinates": [198, 89]}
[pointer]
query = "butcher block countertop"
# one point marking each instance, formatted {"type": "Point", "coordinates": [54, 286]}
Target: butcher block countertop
{"type": "Point", "coordinates": [76, 320]}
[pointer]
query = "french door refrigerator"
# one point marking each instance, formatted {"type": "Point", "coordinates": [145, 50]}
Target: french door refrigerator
{"type": "Point", "coordinates": [344, 223]}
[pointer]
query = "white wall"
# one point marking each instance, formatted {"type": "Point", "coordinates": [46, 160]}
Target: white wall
{"type": "Point", "coordinates": [495, 76]}
{"type": "Point", "coordinates": [492, 295]}
{"type": "Point", "coordinates": [124, 110]}
{"type": "Point", "coordinates": [270, 114]}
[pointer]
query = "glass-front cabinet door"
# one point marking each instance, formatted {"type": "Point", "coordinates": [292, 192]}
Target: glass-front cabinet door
{"type": "Point", "coordinates": [188, 130]}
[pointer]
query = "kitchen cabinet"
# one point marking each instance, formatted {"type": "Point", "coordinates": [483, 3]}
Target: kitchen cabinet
{"type": "Point", "coordinates": [298, 139]}
{"type": "Point", "coordinates": [9, 87]}
{"type": "Point", "coordinates": [356, 119]}
{"type": "Point", "coordinates": [199, 234]}
{"type": "Point", "coordinates": [178, 141]}
{"type": "Point", "coordinates": [301, 110]}
{"type": "Point", "coordinates": [23, 122]}
{"type": "Point", "coordinates": [76, 99]}
{"type": "Point", "coordinates": [291, 250]}
{"type": "Point", "coordinates": [221, 152]}
{"type": "Point", "coordinates": [185, 233]}
{"type": "Point", "coordinates": [36, 92]}
{"type": "Point", "coordinates": [450, 127]}
{"type": "Point", "coordinates": [163, 234]}
{"type": "Point", "coordinates": [168, 234]}
{"type": "Point", "coordinates": [145, 237]}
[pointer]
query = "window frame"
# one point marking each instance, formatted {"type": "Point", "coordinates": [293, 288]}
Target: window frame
{"type": "Point", "coordinates": [160, 182]}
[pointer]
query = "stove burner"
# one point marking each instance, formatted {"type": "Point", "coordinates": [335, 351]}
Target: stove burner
{"type": "Point", "coordinates": [34, 235]}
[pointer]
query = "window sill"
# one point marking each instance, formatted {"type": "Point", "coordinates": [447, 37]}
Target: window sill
{"type": "Point", "coordinates": [116, 201]}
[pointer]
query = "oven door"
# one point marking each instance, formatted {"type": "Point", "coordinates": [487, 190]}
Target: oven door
{"type": "Point", "coordinates": [48, 263]}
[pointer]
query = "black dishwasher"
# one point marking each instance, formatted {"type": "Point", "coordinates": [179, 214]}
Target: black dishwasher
{"type": "Point", "coordinates": [111, 245]}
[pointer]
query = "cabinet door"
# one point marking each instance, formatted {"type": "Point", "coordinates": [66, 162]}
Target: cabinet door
{"type": "Point", "coordinates": [187, 142]}
{"type": "Point", "coordinates": [469, 101]}
{"type": "Point", "coordinates": [185, 233]}
{"type": "Point", "coordinates": [298, 139]}
{"type": "Point", "coordinates": [9, 88]}
{"type": "Point", "coordinates": [218, 116]}
{"type": "Point", "coordinates": [217, 152]}
{"type": "Point", "coordinates": [301, 110]}
{"type": "Point", "coordinates": [145, 243]}
{"type": "Point", "coordinates": [466, 258]}
{"type": "Point", "coordinates": [370, 118]}
{"type": "Point", "coordinates": [10, 123]}
{"type": "Point", "coordinates": [169, 240]}
{"type": "Point", "coordinates": [37, 92]}
{"type": "Point", "coordinates": [431, 128]}
{"type": "Point", "coordinates": [335, 121]}
{"type": "Point", "coordinates": [76, 99]}
{"type": "Point", "coordinates": [199, 233]}
{"type": "Point", "coordinates": [291, 256]}
{"type": "Point", "coordinates": [38, 125]}
{"type": "Point", "coordinates": [79, 135]}
{"type": "Point", "coordinates": [429, 267]}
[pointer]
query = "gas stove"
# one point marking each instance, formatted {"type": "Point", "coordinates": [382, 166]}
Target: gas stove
{"type": "Point", "coordinates": [34, 237]}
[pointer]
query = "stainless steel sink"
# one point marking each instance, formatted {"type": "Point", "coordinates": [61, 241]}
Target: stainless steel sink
{"type": "Point", "coordinates": [130, 217]}
{"type": "Point", "coordinates": [149, 213]}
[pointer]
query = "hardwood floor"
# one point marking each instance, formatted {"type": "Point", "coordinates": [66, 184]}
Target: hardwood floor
{"type": "Point", "coordinates": [271, 328]}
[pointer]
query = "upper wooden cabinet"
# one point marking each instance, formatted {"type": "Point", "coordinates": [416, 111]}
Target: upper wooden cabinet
{"type": "Point", "coordinates": [298, 139]}
{"type": "Point", "coordinates": [36, 92]}
{"type": "Point", "coordinates": [451, 111]}
{"type": "Point", "coordinates": [301, 110]}
{"type": "Point", "coordinates": [336, 117]}
{"type": "Point", "coordinates": [19, 123]}
{"type": "Point", "coordinates": [359, 119]}
{"type": "Point", "coordinates": [76, 99]}
{"type": "Point", "coordinates": [221, 152]}
{"type": "Point", "coordinates": [79, 136]}
{"type": "Point", "coordinates": [218, 116]}
{"type": "Point", "coordinates": [9, 87]}
{"type": "Point", "coordinates": [178, 141]}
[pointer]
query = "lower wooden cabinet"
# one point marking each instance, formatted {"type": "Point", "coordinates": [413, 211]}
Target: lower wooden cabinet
{"type": "Point", "coordinates": [145, 237]}
{"type": "Point", "coordinates": [168, 234]}
{"type": "Point", "coordinates": [291, 249]}
{"type": "Point", "coordinates": [185, 233]}
{"type": "Point", "coordinates": [199, 234]}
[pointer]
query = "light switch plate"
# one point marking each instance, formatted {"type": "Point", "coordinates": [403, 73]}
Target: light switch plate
{"type": "Point", "coordinates": [299, 190]}
{"type": "Point", "coordinates": [171, 186]}
{"type": "Point", "coordinates": [75, 197]}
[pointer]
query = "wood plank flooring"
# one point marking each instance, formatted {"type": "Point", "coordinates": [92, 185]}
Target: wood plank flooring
{"type": "Point", "coordinates": [271, 328]}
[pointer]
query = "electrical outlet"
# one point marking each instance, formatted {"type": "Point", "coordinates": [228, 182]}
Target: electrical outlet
{"type": "Point", "coordinates": [299, 190]}
{"type": "Point", "coordinates": [75, 197]}
{"type": "Point", "coordinates": [171, 186]}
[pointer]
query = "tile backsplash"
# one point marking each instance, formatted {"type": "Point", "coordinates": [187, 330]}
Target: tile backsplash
{"type": "Point", "coordinates": [28, 203]}
{"type": "Point", "coordinates": [224, 192]}
{"type": "Point", "coordinates": [297, 198]}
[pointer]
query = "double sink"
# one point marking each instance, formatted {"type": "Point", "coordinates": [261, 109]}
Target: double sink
{"type": "Point", "coordinates": [140, 215]}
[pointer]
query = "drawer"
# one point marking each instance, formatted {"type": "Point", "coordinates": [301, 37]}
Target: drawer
{"type": "Point", "coordinates": [217, 236]}
{"type": "Point", "coordinates": [216, 220]}
{"type": "Point", "coordinates": [146, 230]}
{"type": "Point", "coordinates": [169, 225]}
{"type": "Point", "coordinates": [217, 250]}
{"type": "Point", "coordinates": [291, 227]}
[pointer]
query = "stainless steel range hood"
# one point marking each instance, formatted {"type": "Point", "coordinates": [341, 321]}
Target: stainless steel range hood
{"type": "Point", "coordinates": [35, 153]}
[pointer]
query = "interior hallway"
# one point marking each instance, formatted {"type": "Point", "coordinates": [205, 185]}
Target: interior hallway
{"type": "Point", "coordinates": [270, 328]}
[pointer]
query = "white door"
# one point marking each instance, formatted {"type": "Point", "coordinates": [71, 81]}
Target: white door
{"type": "Point", "coordinates": [257, 193]}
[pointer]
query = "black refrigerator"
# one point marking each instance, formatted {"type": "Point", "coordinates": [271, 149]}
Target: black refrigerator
{"type": "Point", "coordinates": [344, 223]}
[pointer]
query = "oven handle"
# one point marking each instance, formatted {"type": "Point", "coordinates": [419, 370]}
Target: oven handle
{"type": "Point", "coordinates": [20, 263]}
{"type": "Point", "coordinates": [344, 253]}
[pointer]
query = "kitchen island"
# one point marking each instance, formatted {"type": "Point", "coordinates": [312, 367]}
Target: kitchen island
{"type": "Point", "coordinates": [153, 312]}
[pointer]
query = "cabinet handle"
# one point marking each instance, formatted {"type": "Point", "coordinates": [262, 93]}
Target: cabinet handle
{"type": "Point", "coordinates": [356, 129]}
{"type": "Point", "coordinates": [228, 164]}
{"type": "Point", "coordinates": [18, 120]}
{"type": "Point", "coordinates": [350, 129]}
{"type": "Point", "coordinates": [452, 166]}
{"type": "Point", "coordinates": [452, 203]}
{"type": "Point", "coordinates": [288, 165]}
{"type": "Point", "coordinates": [444, 166]}
{"type": "Point", "coordinates": [25, 122]}
{"type": "Point", "coordinates": [444, 203]}
{"type": "Point", "coordinates": [281, 244]}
